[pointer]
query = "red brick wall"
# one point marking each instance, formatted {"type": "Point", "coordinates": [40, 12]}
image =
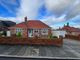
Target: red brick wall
{"type": "Point", "coordinates": [73, 37]}
{"type": "Point", "coordinates": [25, 33]}
{"type": "Point", "coordinates": [49, 32]}
{"type": "Point", "coordinates": [31, 41]}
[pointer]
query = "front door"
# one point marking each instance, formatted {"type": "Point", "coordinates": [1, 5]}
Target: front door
{"type": "Point", "coordinates": [30, 33]}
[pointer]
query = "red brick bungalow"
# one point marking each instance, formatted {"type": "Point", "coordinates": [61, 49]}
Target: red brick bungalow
{"type": "Point", "coordinates": [31, 28]}
{"type": "Point", "coordinates": [71, 30]}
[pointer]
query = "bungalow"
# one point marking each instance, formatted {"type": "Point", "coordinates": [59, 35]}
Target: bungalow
{"type": "Point", "coordinates": [31, 28]}
{"type": "Point", "coordinates": [66, 30]}
{"type": "Point", "coordinates": [71, 30]}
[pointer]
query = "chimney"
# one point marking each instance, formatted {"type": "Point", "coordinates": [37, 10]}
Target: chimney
{"type": "Point", "coordinates": [64, 25]}
{"type": "Point", "coordinates": [25, 19]}
{"type": "Point", "coordinates": [67, 23]}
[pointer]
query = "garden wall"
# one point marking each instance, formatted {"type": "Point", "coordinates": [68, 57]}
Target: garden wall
{"type": "Point", "coordinates": [73, 37]}
{"type": "Point", "coordinates": [31, 41]}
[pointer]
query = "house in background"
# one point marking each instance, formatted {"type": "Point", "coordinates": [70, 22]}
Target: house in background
{"type": "Point", "coordinates": [4, 30]}
{"type": "Point", "coordinates": [66, 30]}
{"type": "Point", "coordinates": [31, 28]}
{"type": "Point", "coordinates": [71, 30]}
{"type": "Point", "coordinates": [7, 23]}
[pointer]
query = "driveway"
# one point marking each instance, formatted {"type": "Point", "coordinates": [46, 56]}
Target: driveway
{"type": "Point", "coordinates": [70, 49]}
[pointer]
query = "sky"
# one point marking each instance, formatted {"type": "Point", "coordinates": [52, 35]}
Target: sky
{"type": "Point", "coordinates": [54, 13]}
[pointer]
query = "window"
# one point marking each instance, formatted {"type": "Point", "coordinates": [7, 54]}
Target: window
{"type": "Point", "coordinates": [36, 31]}
{"type": "Point", "coordinates": [29, 31]}
{"type": "Point", "coordinates": [19, 29]}
{"type": "Point", "coordinates": [44, 31]}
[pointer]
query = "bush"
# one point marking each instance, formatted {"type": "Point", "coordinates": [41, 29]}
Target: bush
{"type": "Point", "coordinates": [19, 34]}
{"type": "Point", "coordinates": [4, 33]}
{"type": "Point", "coordinates": [50, 36]}
{"type": "Point", "coordinates": [1, 33]}
{"type": "Point", "coordinates": [55, 37]}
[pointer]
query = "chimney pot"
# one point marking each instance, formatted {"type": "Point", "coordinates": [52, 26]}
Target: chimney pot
{"type": "Point", "coordinates": [25, 19]}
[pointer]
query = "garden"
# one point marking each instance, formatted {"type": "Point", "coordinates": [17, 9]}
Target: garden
{"type": "Point", "coordinates": [51, 40]}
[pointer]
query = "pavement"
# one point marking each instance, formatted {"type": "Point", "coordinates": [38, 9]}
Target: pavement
{"type": "Point", "coordinates": [70, 49]}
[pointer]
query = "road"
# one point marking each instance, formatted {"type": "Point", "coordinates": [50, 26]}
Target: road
{"type": "Point", "coordinates": [70, 49]}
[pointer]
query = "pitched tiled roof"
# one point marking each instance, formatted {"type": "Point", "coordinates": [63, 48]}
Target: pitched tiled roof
{"type": "Point", "coordinates": [32, 24]}
{"type": "Point", "coordinates": [7, 23]}
{"type": "Point", "coordinates": [23, 25]}
{"type": "Point", "coordinates": [36, 24]}
{"type": "Point", "coordinates": [71, 29]}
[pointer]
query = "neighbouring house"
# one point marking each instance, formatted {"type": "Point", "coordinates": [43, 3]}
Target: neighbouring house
{"type": "Point", "coordinates": [4, 30]}
{"type": "Point", "coordinates": [59, 33]}
{"type": "Point", "coordinates": [71, 30]}
{"type": "Point", "coordinates": [31, 28]}
{"type": "Point", "coordinates": [66, 30]}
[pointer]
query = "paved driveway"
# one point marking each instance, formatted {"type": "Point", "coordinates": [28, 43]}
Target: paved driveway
{"type": "Point", "coordinates": [70, 49]}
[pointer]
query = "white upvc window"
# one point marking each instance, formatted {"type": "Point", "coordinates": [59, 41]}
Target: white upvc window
{"type": "Point", "coordinates": [19, 29]}
{"type": "Point", "coordinates": [44, 31]}
{"type": "Point", "coordinates": [36, 30]}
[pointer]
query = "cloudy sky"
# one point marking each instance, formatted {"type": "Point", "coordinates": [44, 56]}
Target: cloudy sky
{"type": "Point", "coordinates": [55, 13]}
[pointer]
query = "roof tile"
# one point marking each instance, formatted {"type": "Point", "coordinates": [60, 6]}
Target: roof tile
{"type": "Point", "coordinates": [32, 24]}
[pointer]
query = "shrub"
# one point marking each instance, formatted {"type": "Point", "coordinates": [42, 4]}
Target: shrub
{"type": "Point", "coordinates": [1, 33]}
{"type": "Point", "coordinates": [55, 37]}
{"type": "Point", "coordinates": [19, 34]}
{"type": "Point", "coordinates": [4, 33]}
{"type": "Point", "coordinates": [50, 36]}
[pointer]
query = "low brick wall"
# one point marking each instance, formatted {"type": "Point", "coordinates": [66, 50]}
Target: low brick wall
{"type": "Point", "coordinates": [73, 37]}
{"type": "Point", "coordinates": [31, 41]}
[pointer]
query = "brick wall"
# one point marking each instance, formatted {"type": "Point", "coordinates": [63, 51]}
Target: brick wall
{"type": "Point", "coordinates": [74, 37]}
{"type": "Point", "coordinates": [31, 41]}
